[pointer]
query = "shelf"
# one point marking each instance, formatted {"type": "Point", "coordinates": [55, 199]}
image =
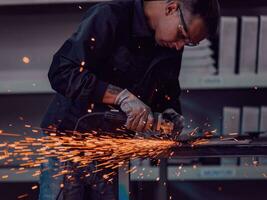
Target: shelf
{"type": "Point", "coordinates": [174, 173]}
{"type": "Point", "coordinates": [202, 173]}
{"type": "Point", "coordinates": [24, 82]}
{"type": "Point", "coordinates": [244, 81]}
{"type": "Point", "coordinates": [217, 173]}
{"type": "Point", "coordinates": [26, 176]}
{"type": "Point", "coordinates": [37, 2]}
{"type": "Point", "coordinates": [36, 81]}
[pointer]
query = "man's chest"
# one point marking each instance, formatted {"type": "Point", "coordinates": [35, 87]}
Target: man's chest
{"type": "Point", "coordinates": [130, 60]}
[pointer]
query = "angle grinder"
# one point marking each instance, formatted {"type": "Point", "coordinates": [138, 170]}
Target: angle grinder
{"type": "Point", "coordinates": [114, 121]}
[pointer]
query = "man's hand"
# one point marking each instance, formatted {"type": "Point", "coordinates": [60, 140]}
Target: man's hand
{"type": "Point", "coordinates": [139, 115]}
{"type": "Point", "coordinates": [176, 119]}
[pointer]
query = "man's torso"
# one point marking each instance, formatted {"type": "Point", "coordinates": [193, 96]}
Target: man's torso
{"type": "Point", "coordinates": [135, 63]}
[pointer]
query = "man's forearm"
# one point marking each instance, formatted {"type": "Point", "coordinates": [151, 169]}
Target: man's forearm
{"type": "Point", "coordinates": [111, 94]}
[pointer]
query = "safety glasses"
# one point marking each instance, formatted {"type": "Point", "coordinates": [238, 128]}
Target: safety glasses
{"type": "Point", "coordinates": [190, 42]}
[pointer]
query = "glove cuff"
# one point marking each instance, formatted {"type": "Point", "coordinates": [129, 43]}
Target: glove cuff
{"type": "Point", "coordinates": [125, 94]}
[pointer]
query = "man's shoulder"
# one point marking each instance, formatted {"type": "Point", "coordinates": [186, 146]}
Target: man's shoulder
{"type": "Point", "coordinates": [115, 8]}
{"type": "Point", "coordinates": [119, 4]}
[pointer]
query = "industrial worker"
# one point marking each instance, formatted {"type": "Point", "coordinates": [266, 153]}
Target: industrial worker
{"type": "Point", "coordinates": [125, 54]}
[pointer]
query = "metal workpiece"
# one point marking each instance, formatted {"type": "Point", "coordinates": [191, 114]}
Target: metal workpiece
{"type": "Point", "coordinates": [220, 147]}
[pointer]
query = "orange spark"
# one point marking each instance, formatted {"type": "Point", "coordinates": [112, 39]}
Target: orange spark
{"type": "Point", "coordinates": [34, 187]}
{"type": "Point", "coordinates": [26, 60]}
{"type": "Point", "coordinates": [22, 196]}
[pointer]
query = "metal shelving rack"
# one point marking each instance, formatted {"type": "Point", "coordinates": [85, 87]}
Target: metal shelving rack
{"type": "Point", "coordinates": [36, 82]}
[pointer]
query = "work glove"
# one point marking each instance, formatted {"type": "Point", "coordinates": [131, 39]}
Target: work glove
{"type": "Point", "coordinates": [176, 119]}
{"type": "Point", "coordinates": [139, 115]}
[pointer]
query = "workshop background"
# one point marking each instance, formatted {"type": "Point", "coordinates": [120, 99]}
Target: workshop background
{"type": "Point", "coordinates": [224, 85]}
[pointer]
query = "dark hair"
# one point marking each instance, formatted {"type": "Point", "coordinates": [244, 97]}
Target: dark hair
{"type": "Point", "coordinates": [209, 10]}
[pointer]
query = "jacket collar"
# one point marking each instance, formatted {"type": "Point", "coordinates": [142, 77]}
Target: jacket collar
{"type": "Point", "coordinates": [140, 26]}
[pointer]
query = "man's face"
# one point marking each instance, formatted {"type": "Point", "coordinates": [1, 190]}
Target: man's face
{"type": "Point", "coordinates": [170, 31]}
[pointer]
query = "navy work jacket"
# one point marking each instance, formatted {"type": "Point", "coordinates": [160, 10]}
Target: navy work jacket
{"type": "Point", "coordinates": [112, 45]}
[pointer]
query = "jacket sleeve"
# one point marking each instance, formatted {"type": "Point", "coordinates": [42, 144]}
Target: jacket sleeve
{"type": "Point", "coordinates": [71, 73]}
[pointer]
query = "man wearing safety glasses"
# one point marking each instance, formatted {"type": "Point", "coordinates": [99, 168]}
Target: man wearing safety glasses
{"type": "Point", "coordinates": [125, 54]}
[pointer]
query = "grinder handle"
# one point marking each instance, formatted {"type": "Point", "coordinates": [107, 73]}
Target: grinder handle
{"type": "Point", "coordinates": [120, 118]}
{"type": "Point", "coordinates": [116, 117]}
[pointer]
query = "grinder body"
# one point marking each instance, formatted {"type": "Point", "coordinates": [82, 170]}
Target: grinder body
{"type": "Point", "coordinates": [161, 123]}
{"type": "Point", "coordinates": [113, 121]}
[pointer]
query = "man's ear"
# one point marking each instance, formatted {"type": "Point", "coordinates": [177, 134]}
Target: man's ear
{"type": "Point", "coordinates": [171, 7]}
